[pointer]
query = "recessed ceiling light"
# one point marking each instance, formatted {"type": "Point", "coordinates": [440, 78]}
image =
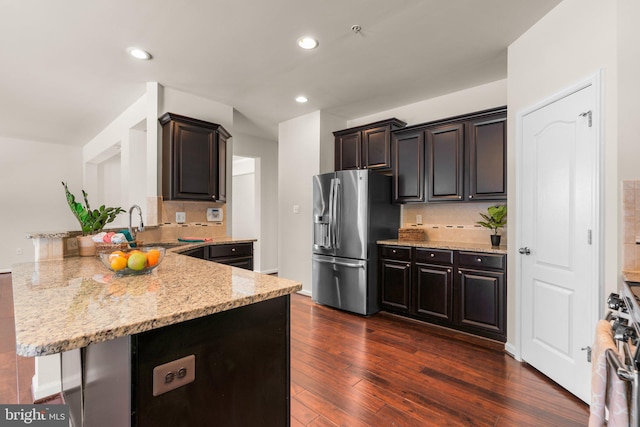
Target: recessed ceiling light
{"type": "Point", "coordinates": [138, 53]}
{"type": "Point", "coordinates": [307, 42]}
{"type": "Point", "coordinates": [301, 99]}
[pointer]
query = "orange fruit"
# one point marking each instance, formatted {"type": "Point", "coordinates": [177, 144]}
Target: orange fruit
{"type": "Point", "coordinates": [153, 256]}
{"type": "Point", "coordinates": [118, 263]}
{"type": "Point", "coordinates": [116, 254]}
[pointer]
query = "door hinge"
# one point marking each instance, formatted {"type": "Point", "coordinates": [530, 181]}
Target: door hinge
{"type": "Point", "coordinates": [589, 236]}
{"type": "Point", "coordinates": [588, 114]}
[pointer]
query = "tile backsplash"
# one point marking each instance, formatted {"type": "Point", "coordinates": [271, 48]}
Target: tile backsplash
{"type": "Point", "coordinates": [453, 222]}
{"type": "Point", "coordinates": [631, 225]}
{"type": "Point", "coordinates": [163, 213]}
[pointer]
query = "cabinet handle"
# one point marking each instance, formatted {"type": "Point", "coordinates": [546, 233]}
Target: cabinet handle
{"type": "Point", "coordinates": [479, 259]}
{"type": "Point", "coordinates": [213, 197]}
{"type": "Point", "coordinates": [233, 249]}
{"type": "Point", "coordinates": [408, 265]}
{"type": "Point", "coordinates": [459, 272]}
{"type": "Point", "coordinates": [471, 197]}
{"type": "Point", "coordinates": [432, 255]}
{"type": "Point", "coordinates": [393, 250]}
{"type": "Point", "coordinates": [459, 197]}
{"type": "Point", "coordinates": [448, 270]}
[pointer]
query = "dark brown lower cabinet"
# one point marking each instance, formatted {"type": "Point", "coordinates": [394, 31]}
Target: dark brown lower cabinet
{"type": "Point", "coordinates": [434, 286]}
{"type": "Point", "coordinates": [395, 284]}
{"type": "Point", "coordinates": [482, 297]}
{"type": "Point", "coordinates": [458, 289]}
{"type": "Point", "coordinates": [234, 254]}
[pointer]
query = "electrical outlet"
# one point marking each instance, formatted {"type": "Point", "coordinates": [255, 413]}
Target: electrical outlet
{"type": "Point", "coordinates": [418, 219]}
{"type": "Point", "coordinates": [172, 375]}
{"type": "Point", "coordinates": [181, 217]}
{"type": "Point", "coordinates": [296, 209]}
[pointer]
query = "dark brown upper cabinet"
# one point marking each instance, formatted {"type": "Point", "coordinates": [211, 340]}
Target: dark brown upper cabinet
{"type": "Point", "coordinates": [408, 166]}
{"type": "Point", "coordinates": [445, 162]}
{"type": "Point", "coordinates": [194, 158]}
{"type": "Point", "coordinates": [365, 147]}
{"type": "Point", "coordinates": [487, 151]}
{"type": "Point", "coordinates": [461, 158]}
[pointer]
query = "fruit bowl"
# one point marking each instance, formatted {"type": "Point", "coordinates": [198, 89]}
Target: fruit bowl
{"type": "Point", "coordinates": [133, 262]}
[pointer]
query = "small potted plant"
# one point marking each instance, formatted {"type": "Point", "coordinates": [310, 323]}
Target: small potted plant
{"type": "Point", "coordinates": [91, 221]}
{"type": "Point", "coordinates": [494, 219]}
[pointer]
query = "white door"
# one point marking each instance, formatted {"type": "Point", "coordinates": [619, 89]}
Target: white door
{"type": "Point", "coordinates": [558, 254]}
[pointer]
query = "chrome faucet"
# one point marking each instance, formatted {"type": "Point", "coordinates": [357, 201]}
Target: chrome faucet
{"type": "Point", "coordinates": [141, 226]}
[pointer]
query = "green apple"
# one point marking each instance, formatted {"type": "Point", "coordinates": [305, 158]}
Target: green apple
{"type": "Point", "coordinates": [137, 261]}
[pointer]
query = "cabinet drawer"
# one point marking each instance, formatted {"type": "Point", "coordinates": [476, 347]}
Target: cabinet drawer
{"type": "Point", "coordinates": [239, 249]}
{"type": "Point", "coordinates": [402, 253]}
{"type": "Point", "coordinates": [480, 260]}
{"type": "Point", "coordinates": [438, 256]}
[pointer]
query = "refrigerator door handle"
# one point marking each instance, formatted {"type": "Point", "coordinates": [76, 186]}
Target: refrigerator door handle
{"type": "Point", "coordinates": [331, 227]}
{"type": "Point", "coordinates": [340, 263]}
{"type": "Point", "coordinates": [336, 214]}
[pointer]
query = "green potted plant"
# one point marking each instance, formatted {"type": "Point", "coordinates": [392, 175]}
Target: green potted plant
{"type": "Point", "coordinates": [494, 219]}
{"type": "Point", "coordinates": [91, 221]}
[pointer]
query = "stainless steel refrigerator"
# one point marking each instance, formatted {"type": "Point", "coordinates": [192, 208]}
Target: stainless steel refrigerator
{"type": "Point", "coordinates": [352, 210]}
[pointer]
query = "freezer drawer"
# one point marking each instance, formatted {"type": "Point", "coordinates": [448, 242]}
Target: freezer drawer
{"type": "Point", "coordinates": [343, 283]}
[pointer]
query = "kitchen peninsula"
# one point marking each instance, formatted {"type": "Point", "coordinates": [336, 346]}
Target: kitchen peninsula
{"type": "Point", "coordinates": [114, 331]}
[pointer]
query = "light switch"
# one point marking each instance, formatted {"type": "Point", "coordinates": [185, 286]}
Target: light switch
{"type": "Point", "coordinates": [296, 209]}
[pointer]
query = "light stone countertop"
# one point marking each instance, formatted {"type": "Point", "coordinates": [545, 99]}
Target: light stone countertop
{"type": "Point", "coordinates": [456, 246]}
{"type": "Point", "coordinates": [66, 304]}
{"type": "Point", "coordinates": [631, 276]}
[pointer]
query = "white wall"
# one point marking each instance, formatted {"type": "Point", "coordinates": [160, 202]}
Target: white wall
{"type": "Point", "coordinates": [246, 212]}
{"type": "Point", "coordinates": [465, 101]}
{"type": "Point", "coordinates": [265, 151]}
{"type": "Point", "coordinates": [302, 148]}
{"type": "Point", "coordinates": [569, 44]}
{"type": "Point", "coordinates": [629, 89]}
{"type": "Point", "coordinates": [32, 196]}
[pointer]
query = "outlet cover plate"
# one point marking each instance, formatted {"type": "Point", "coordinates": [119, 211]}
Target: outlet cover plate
{"type": "Point", "coordinates": [181, 217]}
{"type": "Point", "coordinates": [214, 214]}
{"type": "Point", "coordinates": [172, 375]}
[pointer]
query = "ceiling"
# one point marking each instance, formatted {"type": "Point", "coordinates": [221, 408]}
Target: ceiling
{"type": "Point", "coordinates": [65, 73]}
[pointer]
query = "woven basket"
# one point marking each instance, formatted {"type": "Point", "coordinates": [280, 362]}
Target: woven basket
{"type": "Point", "coordinates": [411, 234]}
{"type": "Point", "coordinates": [102, 247]}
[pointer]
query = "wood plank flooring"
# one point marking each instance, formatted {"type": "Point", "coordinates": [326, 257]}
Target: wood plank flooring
{"type": "Point", "coordinates": [347, 370]}
{"type": "Point", "coordinates": [15, 371]}
{"type": "Point", "coordinates": [385, 370]}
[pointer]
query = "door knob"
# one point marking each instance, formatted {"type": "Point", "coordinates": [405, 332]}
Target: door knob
{"type": "Point", "coordinates": [525, 251]}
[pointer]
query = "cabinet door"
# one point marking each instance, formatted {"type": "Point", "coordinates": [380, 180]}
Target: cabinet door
{"type": "Point", "coordinates": [433, 290]}
{"type": "Point", "coordinates": [221, 187]}
{"type": "Point", "coordinates": [376, 148]}
{"type": "Point", "coordinates": [348, 151]}
{"type": "Point", "coordinates": [408, 167]}
{"type": "Point", "coordinates": [481, 302]}
{"type": "Point", "coordinates": [395, 285]}
{"type": "Point", "coordinates": [194, 165]}
{"type": "Point", "coordinates": [445, 163]}
{"type": "Point", "coordinates": [487, 148]}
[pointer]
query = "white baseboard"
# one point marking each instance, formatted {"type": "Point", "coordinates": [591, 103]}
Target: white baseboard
{"type": "Point", "coordinates": [305, 293]}
{"type": "Point", "coordinates": [5, 270]}
{"type": "Point", "coordinates": [511, 349]}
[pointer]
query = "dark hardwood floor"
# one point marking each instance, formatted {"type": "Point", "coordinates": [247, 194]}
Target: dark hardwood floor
{"type": "Point", "coordinates": [15, 371]}
{"type": "Point", "coordinates": [385, 370]}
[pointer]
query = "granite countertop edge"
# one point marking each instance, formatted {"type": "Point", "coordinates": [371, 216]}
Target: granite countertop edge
{"type": "Point", "coordinates": [459, 246]}
{"type": "Point", "coordinates": [61, 305]}
{"type": "Point", "coordinates": [631, 276]}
